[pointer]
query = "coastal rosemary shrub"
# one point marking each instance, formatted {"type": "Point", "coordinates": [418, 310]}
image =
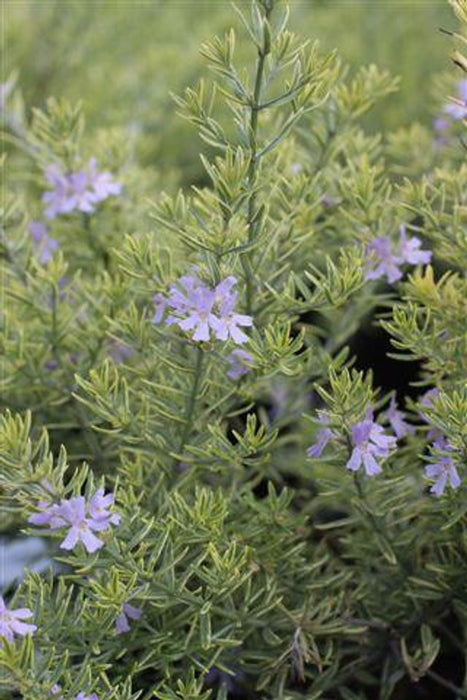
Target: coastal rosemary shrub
{"type": "Point", "coordinates": [234, 505]}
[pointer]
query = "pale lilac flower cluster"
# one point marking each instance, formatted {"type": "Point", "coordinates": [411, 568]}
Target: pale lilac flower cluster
{"type": "Point", "coordinates": [240, 363]}
{"type": "Point", "coordinates": [80, 517]}
{"type": "Point", "coordinates": [80, 190]}
{"type": "Point", "coordinates": [369, 444]}
{"type": "Point", "coordinates": [11, 622]}
{"type": "Point", "coordinates": [383, 262]}
{"type": "Point", "coordinates": [128, 611]}
{"type": "Point", "coordinates": [443, 469]}
{"type": "Point", "coordinates": [44, 244]}
{"type": "Point", "coordinates": [203, 310]}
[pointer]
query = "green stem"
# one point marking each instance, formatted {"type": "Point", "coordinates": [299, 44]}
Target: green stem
{"type": "Point", "coordinates": [53, 339]}
{"type": "Point", "coordinates": [375, 522]}
{"type": "Point", "coordinates": [189, 413]}
{"type": "Point", "coordinates": [94, 243]}
{"type": "Point", "coordinates": [252, 219]}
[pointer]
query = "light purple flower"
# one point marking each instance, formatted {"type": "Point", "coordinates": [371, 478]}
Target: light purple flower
{"type": "Point", "coordinates": [410, 249]}
{"type": "Point", "coordinates": [239, 363]}
{"type": "Point", "coordinates": [55, 689]}
{"type": "Point", "coordinates": [387, 264]}
{"type": "Point", "coordinates": [80, 190]}
{"type": "Point", "coordinates": [444, 469]}
{"type": "Point", "coordinates": [83, 696]}
{"type": "Point", "coordinates": [380, 253]}
{"type": "Point", "coordinates": [200, 317]}
{"type": "Point", "coordinates": [441, 128]}
{"type": "Point", "coordinates": [427, 400]}
{"type": "Point", "coordinates": [49, 514]}
{"type": "Point", "coordinates": [73, 515]}
{"type": "Point", "coordinates": [370, 442]}
{"type": "Point", "coordinates": [81, 193]}
{"type": "Point", "coordinates": [11, 622]}
{"type": "Point", "coordinates": [323, 436]}
{"type": "Point", "coordinates": [99, 505]}
{"type": "Point", "coordinates": [44, 244]}
{"type": "Point", "coordinates": [227, 326]}
{"type": "Point", "coordinates": [160, 305]}
{"type": "Point", "coordinates": [397, 422]}
{"type": "Point", "coordinates": [59, 200]}
{"type": "Point", "coordinates": [101, 183]}
{"type": "Point", "coordinates": [440, 125]}
{"type": "Point", "coordinates": [128, 611]}
{"type": "Point", "coordinates": [457, 110]}
{"type": "Point", "coordinates": [203, 310]}
{"type": "Point", "coordinates": [82, 519]}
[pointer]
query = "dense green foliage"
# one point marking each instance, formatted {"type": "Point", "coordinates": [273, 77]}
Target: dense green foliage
{"type": "Point", "coordinates": [257, 569]}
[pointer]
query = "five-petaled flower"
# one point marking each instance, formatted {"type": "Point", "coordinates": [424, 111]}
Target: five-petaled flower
{"type": "Point", "coordinates": [387, 264]}
{"type": "Point", "coordinates": [410, 250]}
{"type": "Point", "coordinates": [203, 310]}
{"type": "Point", "coordinates": [443, 469]}
{"type": "Point", "coordinates": [82, 519]}
{"type": "Point", "coordinates": [128, 611]}
{"type": "Point", "coordinates": [369, 444]}
{"type": "Point", "coordinates": [11, 622]}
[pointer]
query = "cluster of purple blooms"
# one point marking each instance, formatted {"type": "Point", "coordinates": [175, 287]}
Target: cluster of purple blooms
{"type": "Point", "coordinates": [369, 442]}
{"type": "Point", "coordinates": [384, 262]}
{"type": "Point", "coordinates": [80, 517]}
{"type": "Point", "coordinates": [203, 310]}
{"type": "Point", "coordinates": [442, 468]}
{"type": "Point", "coordinates": [80, 190]}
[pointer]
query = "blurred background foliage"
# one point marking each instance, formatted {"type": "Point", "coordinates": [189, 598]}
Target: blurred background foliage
{"type": "Point", "coordinates": [125, 59]}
